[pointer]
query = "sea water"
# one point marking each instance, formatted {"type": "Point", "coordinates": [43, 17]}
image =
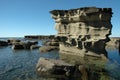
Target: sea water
{"type": "Point", "coordinates": [20, 64]}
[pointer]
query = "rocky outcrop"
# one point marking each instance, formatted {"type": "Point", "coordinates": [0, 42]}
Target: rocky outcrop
{"type": "Point", "coordinates": [54, 68]}
{"type": "Point", "coordinates": [24, 45]}
{"type": "Point", "coordinates": [113, 43]}
{"type": "Point", "coordinates": [3, 43]}
{"type": "Point", "coordinates": [34, 47]}
{"type": "Point", "coordinates": [48, 48]}
{"type": "Point", "coordinates": [50, 45]}
{"type": "Point", "coordinates": [13, 41]}
{"type": "Point", "coordinates": [51, 42]}
{"type": "Point", "coordinates": [62, 70]}
{"type": "Point", "coordinates": [83, 31]}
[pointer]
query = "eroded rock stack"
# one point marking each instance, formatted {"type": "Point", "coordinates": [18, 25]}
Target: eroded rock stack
{"type": "Point", "coordinates": [83, 31]}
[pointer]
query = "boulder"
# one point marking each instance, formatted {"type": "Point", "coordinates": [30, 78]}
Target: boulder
{"type": "Point", "coordinates": [13, 41]}
{"type": "Point", "coordinates": [17, 46]}
{"type": "Point", "coordinates": [48, 48]}
{"type": "Point", "coordinates": [54, 68]}
{"type": "Point", "coordinates": [51, 42]}
{"type": "Point", "coordinates": [34, 47]}
{"type": "Point", "coordinates": [24, 45]}
{"type": "Point", "coordinates": [3, 43]}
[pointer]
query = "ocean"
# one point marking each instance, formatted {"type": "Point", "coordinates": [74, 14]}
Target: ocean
{"type": "Point", "coordinates": [20, 64]}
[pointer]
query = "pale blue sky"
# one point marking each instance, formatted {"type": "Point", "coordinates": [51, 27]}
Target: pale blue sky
{"type": "Point", "coordinates": [32, 17]}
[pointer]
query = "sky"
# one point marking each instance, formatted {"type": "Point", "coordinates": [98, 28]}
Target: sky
{"type": "Point", "coordinates": [31, 17]}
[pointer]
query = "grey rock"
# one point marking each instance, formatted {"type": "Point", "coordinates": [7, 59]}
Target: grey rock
{"type": "Point", "coordinates": [24, 45]}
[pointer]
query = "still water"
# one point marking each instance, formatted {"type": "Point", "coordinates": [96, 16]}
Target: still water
{"type": "Point", "coordinates": [113, 66]}
{"type": "Point", "coordinates": [20, 64]}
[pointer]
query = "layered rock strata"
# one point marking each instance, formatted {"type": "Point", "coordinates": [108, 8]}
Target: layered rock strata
{"type": "Point", "coordinates": [83, 31]}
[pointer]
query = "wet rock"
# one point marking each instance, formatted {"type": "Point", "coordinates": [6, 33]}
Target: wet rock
{"type": "Point", "coordinates": [34, 47]}
{"type": "Point", "coordinates": [13, 41]}
{"type": "Point", "coordinates": [24, 45]}
{"type": "Point", "coordinates": [3, 43]}
{"type": "Point", "coordinates": [48, 48]}
{"type": "Point", "coordinates": [51, 42]}
{"type": "Point", "coordinates": [83, 30]}
{"type": "Point", "coordinates": [54, 68]}
{"type": "Point", "coordinates": [17, 46]}
{"type": "Point", "coordinates": [27, 45]}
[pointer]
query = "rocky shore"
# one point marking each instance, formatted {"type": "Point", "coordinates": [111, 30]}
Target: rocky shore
{"type": "Point", "coordinates": [82, 39]}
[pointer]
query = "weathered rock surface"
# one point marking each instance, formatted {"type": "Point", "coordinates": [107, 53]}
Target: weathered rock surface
{"type": "Point", "coordinates": [50, 45]}
{"type": "Point", "coordinates": [34, 47]}
{"type": "Point", "coordinates": [13, 41]}
{"type": "Point", "coordinates": [54, 68]}
{"type": "Point", "coordinates": [83, 31]}
{"type": "Point", "coordinates": [48, 48]}
{"type": "Point", "coordinates": [51, 42]}
{"type": "Point", "coordinates": [3, 43]}
{"type": "Point", "coordinates": [61, 69]}
{"type": "Point", "coordinates": [24, 45]}
{"type": "Point", "coordinates": [113, 43]}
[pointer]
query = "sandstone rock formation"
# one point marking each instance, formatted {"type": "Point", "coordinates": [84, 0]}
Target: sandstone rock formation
{"type": "Point", "coordinates": [83, 31]}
